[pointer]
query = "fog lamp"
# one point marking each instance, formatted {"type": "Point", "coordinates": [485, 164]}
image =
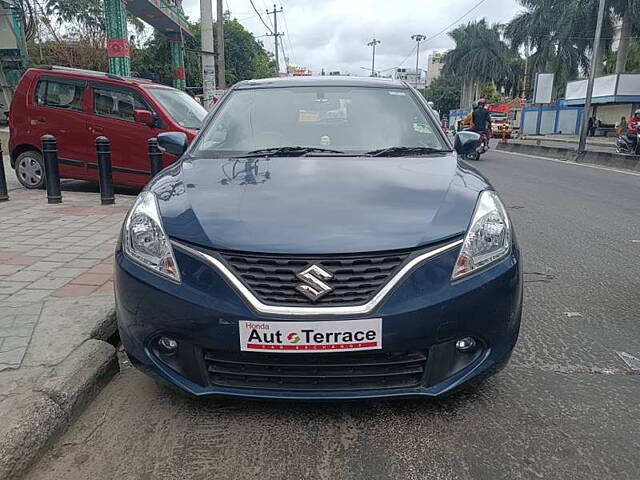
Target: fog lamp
{"type": "Point", "coordinates": [167, 345]}
{"type": "Point", "coordinates": [466, 345]}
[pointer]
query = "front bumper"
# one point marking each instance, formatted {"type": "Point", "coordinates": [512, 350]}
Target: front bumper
{"type": "Point", "coordinates": [424, 315]}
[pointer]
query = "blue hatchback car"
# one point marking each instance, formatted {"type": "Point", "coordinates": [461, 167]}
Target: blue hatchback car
{"type": "Point", "coordinates": [320, 239]}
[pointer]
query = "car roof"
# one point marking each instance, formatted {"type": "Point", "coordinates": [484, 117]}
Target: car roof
{"type": "Point", "coordinates": [79, 72]}
{"type": "Point", "coordinates": [321, 81]}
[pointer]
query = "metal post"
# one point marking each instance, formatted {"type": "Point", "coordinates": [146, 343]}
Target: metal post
{"type": "Point", "coordinates": [105, 176]}
{"type": "Point", "coordinates": [155, 156]}
{"type": "Point", "coordinates": [4, 191]}
{"type": "Point", "coordinates": [51, 172]}
{"type": "Point", "coordinates": [373, 44]}
{"type": "Point", "coordinates": [592, 78]}
{"type": "Point", "coordinates": [418, 38]}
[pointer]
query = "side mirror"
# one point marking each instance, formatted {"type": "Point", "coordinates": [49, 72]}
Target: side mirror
{"type": "Point", "coordinates": [173, 143]}
{"type": "Point", "coordinates": [144, 116]}
{"type": "Point", "coordinates": [467, 142]}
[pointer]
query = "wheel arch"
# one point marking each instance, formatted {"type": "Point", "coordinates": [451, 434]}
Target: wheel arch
{"type": "Point", "coordinates": [20, 149]}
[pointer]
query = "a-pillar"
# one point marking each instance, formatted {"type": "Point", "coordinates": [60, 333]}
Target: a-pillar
{"type": "Point", "coordinates": [177, 61]}
{"type": "Point", "coordinates": [117, 37]}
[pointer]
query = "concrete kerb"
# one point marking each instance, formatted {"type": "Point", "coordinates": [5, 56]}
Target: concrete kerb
{"type": "Point", "coordinates": [65, 389]}
{"type": "Point", "coordinates": [606, 159]}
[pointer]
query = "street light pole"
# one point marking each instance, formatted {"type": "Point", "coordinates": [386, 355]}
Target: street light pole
{"type": "Point", "coordinates": [592, 78]}
{"type": "Point", "coordinates": [373, 44]}
{"type": "Point", "coordinates": [418, 38]}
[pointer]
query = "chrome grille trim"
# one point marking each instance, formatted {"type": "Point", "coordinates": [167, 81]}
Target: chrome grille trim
{"type": "Point", "coordinates": [286, 311]}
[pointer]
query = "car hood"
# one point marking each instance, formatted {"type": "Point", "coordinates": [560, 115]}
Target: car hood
{"type": "Point", "coordinates": [318, 205]}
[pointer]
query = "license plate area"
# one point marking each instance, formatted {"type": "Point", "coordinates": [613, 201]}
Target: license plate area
{"type": "Point", "coordinates": [310, 336]}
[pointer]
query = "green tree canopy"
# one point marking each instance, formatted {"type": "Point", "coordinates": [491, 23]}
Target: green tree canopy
{"type": "Point", "coordinates": [480, 55]}
{"type": "Point", "coordinates": [245, 57]}
{"type": "Point", "coordinates": [444, 92]}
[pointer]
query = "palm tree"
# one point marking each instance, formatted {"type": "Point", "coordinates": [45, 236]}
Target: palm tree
{"type": "Point", "coordinates": [560, 34]}
{"type": "Point", "coordinates": [628, 11]}
{"type": "Point", "coordinates": [480, 56]}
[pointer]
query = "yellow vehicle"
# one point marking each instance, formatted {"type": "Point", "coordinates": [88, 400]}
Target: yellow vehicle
{"type": "Point", "coordinates": [500, 125]}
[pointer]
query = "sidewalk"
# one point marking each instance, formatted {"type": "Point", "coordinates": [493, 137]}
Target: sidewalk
{"type": "Point", "coordinates": [56, 314]}
{"type": "Point", "coordinates": [599, 151]}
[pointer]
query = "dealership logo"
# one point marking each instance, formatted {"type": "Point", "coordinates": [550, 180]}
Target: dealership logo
{"type": "Point", "coordinates": [314, 284]}
{"type": "Point", "coordinates": [293, 337]}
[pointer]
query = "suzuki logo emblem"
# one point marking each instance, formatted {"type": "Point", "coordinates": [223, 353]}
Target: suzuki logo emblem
{"type": "Point", "coordinates": [314, 285]}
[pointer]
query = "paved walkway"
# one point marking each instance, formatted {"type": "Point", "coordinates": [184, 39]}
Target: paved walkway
{"type": "Point", "coordinates": [50, 251]}
{"type": "Point", "coordinates": [56, 310]}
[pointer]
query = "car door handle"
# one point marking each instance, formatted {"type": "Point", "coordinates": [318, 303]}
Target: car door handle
{"type": "Point", "coordinates": [96, 129]}
{"type": "Point", "coordinates": [35, 121]}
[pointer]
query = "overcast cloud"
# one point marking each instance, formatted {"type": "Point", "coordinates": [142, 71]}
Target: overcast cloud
{"type": "Point", "coordinates": [333, 34]}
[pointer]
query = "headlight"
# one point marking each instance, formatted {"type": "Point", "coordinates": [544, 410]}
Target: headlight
{"type": "Point", "coordinates": [145, 241]}
{"type": "Point", "coordinates": [488, 239]}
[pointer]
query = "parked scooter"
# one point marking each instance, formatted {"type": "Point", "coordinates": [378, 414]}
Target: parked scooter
{"type": "Point", "coordinates": [628, 144]}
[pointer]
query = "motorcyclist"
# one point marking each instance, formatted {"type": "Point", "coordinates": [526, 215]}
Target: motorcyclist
{"type": "Point", "coordinates": [481, 118]}
{"type": "Point", "coordinates": [633, 129]}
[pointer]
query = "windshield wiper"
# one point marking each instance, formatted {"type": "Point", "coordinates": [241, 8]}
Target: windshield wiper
{"type": "Point", "coordinates": [404, 151]}
{"type": "Point", "coordinates": [287, 151]}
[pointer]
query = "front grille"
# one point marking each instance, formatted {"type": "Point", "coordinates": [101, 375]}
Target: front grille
{"type": "Point", "coordinates": [356, 278]}
{"type": "Point", "coordinates": [315, 372]}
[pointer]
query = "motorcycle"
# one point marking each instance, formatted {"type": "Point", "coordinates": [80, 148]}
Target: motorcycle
{"type": "Point", "coordinates": [628, 144]}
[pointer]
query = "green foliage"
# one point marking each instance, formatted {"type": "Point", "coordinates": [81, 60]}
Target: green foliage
{"type": "Point", "coordinates": [480, 54]}
{"type": "Point", "coordinates": [633, 59]}
{"type": "Point", "coordinates": [444, 92]}
{"type": "Point", "coordinates": [559, 34]}
{"type": "Point", "coordinates": [490, 93]}
{"type": "Point", "coordinates": [245, 57]}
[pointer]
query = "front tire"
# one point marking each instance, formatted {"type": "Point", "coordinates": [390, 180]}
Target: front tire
{"type": "Point", "coordinates": [30, 169]}
{"type": "Point", "coordinates": [475, 156]}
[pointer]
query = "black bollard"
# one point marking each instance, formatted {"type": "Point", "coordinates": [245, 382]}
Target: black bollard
{"type": "Point", "coordinates": [4, 191]}
{"type": "Point", "coordinates": [155, 156]}
{"type": "Point", "coordinates": [105, 176]}
{"type": "Point", "coordinates": [51, 172]}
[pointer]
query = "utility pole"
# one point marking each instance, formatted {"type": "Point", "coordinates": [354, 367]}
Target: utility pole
{"type": "Point", "coordinates": [220, 41]}
{"type": "Point", "coordinates": [418, 38]}
{"type": "Point", "coordinates": [276, 35]}
{"type": "Point", "coordinates": [208, 56]}
{"type": "Point", "coordinates": [592, 78]}
{"type": "Point", "coordinates": [373, 44]}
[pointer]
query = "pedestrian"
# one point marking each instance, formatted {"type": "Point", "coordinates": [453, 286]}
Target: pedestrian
{"type": "Point", "coordinates": [592, 126]}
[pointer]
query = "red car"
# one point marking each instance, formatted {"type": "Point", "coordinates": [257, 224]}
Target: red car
{"type": "Point", "coordinates": [77, 106]}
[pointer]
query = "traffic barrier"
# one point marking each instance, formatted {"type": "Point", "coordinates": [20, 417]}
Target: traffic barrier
{"type": "Point", "coordinates": [105, 174]}
{"type": "Point", "coordinates": [52, 174]}
{"type": "Point", "coordinates": [4, 191]}
{"type": "Point", "coordinates": [155, 156]}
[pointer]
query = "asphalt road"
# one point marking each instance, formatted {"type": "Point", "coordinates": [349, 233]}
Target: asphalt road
{"type": "Point", "coordinates": [566, 407]}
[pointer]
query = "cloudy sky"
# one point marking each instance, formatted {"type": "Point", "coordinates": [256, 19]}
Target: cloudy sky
{"type": "Point", "coordinates": [333, 34]}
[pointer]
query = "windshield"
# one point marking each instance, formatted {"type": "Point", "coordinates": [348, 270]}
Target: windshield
{"type": "Point", "coordinates": [183, 109]}
{"type": "Point", "coordinates": [345, 119]}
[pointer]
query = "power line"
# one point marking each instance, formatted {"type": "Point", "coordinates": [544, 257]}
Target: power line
{"type": "Point", "coordinates": [445, 29]}
{"type": "Point", "coordinates": [260, 16]}
{"type": "Point", "coordinates": [288, 36]}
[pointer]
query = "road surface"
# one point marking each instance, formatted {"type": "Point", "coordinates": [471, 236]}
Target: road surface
{"type": "Point", "coordinates": [567, 407]}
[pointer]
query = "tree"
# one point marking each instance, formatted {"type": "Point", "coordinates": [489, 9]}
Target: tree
{"type": "Point", "coordinates": [628, 12]}
{"type": "Point", "coordinates": [480, 56]}
{"type": "Point", "coordinates": [245, 57]}
{"type": "Point", "coordinates": [490, 93]}
{"type": "Point", "coordinates": [560, 35]}
{"type": "Point", "coordinates": [444, 92]}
